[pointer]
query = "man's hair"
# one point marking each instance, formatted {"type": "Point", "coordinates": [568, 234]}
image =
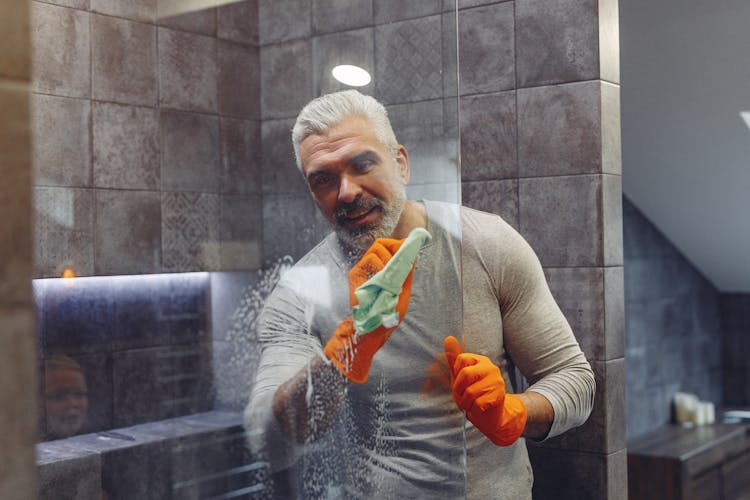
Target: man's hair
{"type": "Point", "coordinates": [322, 113]}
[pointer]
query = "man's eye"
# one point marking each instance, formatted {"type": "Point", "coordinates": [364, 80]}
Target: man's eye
{"type": "Point", "coordinates": [321, 180]}
{"type": "Point", "coordinates": [364, 165]}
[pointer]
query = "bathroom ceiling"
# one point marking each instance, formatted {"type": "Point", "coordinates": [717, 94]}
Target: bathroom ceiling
{"type": "Point", "coordinates": [685, 133]}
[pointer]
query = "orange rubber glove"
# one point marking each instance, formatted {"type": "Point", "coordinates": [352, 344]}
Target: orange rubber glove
{"type": "Point", "coordinates": [478, 389]}
{"type": "Point", "coordinates": [351, 353]}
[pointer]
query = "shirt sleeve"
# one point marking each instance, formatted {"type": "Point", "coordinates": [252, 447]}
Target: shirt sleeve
{"type": "Point", "coordinates": [286, 347]}
{"type": "Point", "coordinates": [539, 339]}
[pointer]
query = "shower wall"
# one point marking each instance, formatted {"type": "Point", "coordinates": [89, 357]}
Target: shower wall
{"type": "Point", "coordinates": [149, 161]}
{"type": "Point", "coordinates": [735, 324]}
{"type": "Point", "coordinates": [672, 328]}
{"type": "Point", "coordinates": [17, 337]}
{"type": "Point", "coordinates": [407, 47]}
{"type": "Point", "coordinates": [540, 145]}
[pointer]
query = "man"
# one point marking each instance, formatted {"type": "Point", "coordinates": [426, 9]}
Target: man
{"type": "Point", "coordinates": [381, 415]}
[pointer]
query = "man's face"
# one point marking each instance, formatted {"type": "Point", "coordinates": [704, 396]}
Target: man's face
{"type": "Point", "coordinates": [355, 181]}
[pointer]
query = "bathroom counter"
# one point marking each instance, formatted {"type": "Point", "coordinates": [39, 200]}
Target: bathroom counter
{"type": "Point", "coordinates": [676, 462]}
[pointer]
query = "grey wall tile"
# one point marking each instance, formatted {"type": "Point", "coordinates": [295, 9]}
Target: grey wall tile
{"type": "Point", "coordinates": [238, 21]}
{"type": "Point", "coordinates": [283, 20]}
{"type": "Point", "coordinates": [280, 172]}
{"type": "Point", "coordinates": [189, 231]}
{"type": "Point", "coordinates": [559, 130]}
{"type": "Point", "coordinates": [614, 312]}
{"type": "Point", "coordinates": [15, 195]}
{"type": "Point", "coordinates": [15, 59]}
{"type": "Point", "coordinates": [240, 156]}
{"type": "Point", "coordinates": [62, 145]}
{"type": "Point", "coordinates": [188, 71]}
{"type": "Point", "coordinates": [63, 231]}
{"type": "Point", "coordinates": [497, 197]}
{"type": "Point", "coordinates": [420, 127]}
{"type": "Point", "coordinates": [350, 47]}
{"type": "Point", "coordinates": [340, 15]}
{"type": "Point", "coordinates": [201, 21]}
{"type": "Point", "coordinates": [408, 60]}
{"type": "Point", "coordinates": [557, 41]}
{"type": "Point", "coordinates": [465, 4]}
{"type": "Point", "coordinates": [291, 226]}
{"type": "Point", "coordinates": [609, 40]}
{"type": "Point", "coordinates": [74, 477]}
{"type": "Point", "coordinates": [190, 152]}
{"type": "Point", "coordinates": [61, 45]}
{"type": "Point", "coordinates": [123, 61]}
{"type": "Point", "coordinates": [562, 220]}
{"type": "Point", "coordinates": [488, 137]}
{"type": "Point", "coordinates": [610, 123]}
{"type": "Point", "coordinates": [75, 4]}
{"type": "Point", "coordinates": [286, 79]}
{"type": "Point", "coordinates": [486, 49]}
{"type": "Point", "coordinates": [241, 232]}
{"type": "Point", "coordinates": [128, 229]}
{"type": "Point", "coordinates": [239, 80]}
{"type": "Point", "coordinates": [579, 291]}
{"type": "Point", "coordinates": [612, 219]}
{"type": "Point", "coordinates": [126, 147]}
{"type": "Point", "coordinates": [388, 11]}
{"type": "Point", "coordinates": [567, 474]}
{"type": "Point", "coordinates": [137, 10]}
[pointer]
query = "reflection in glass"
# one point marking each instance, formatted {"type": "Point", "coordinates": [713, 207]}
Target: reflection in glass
{"type": "Point", "coordinates": [65, 397]}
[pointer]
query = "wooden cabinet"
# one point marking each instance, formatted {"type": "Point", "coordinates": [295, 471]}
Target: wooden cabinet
{"type": "Point", "coordinates": [701, 463]}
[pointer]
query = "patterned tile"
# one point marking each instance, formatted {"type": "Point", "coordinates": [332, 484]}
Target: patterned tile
{"type": "Point", "coordinates": [188, 71]}
{"type": "Point", "coordinates": [62, 145]}
{"type": "Point", "coordinates": [408, 60]}
{"type": "Point", "coordinates": [123, 61]}
{"type": "Point", "coordinates": [63, 231]}
{"type": "Point", "coordinates": [126, 147]}
{"type": "Point", "coordinates": [388, 11]}
{"type": "Point", "coordinates": [241, 232]}
{"type": "Point", "coordinates": [61, 45]}
{"type": "Point", "coordinates": [190, 231]}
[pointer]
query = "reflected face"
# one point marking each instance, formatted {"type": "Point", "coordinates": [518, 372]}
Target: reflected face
{"type": "Point", "coordinates": [355, 181]}
{"type": "Point", "coordinates": [66, 402]}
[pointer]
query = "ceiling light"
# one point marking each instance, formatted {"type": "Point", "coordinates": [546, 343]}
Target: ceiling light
{"type": "Point", "coordinates": [354, 76]}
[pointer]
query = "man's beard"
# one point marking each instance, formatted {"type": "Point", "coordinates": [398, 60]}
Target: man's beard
{"type": "Point", "coordinates": [356, 240]}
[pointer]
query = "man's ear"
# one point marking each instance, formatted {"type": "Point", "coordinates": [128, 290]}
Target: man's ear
{"type": "Point", "coordinates": [402, 160]}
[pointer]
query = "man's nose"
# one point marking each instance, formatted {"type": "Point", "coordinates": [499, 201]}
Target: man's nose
{"type": "Point", "coordinates": [349, 189]}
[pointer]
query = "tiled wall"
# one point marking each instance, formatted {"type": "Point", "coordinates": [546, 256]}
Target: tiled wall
{"type": "Point", "coordinates": [147, 150]}
{"type": "Point", "coordinates": [408, 48]}
{"type": "Point", "coordinates": [17, 339]}
{"type": "Point", "coordinates": [673, 338]}
{"type": "Point", "coordinates": [143, 343]}
{"type": "Point", "coordinates": [540, 145]}
{"type": "Point", "coordinates": [735, 323]}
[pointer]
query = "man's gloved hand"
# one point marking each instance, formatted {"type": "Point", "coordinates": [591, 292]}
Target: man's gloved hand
{"type": "Point", "coordinates": [352, 354]}
{"type": "Point", "coordinates": [479, 390]}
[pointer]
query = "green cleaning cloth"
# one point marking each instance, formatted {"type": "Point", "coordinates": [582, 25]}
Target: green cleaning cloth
{"type": "Point", "coordinates": [378, 296]}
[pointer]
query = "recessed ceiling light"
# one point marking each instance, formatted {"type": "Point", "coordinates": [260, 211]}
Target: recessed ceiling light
{"type": "Point", "coordinates": [353, 76]}
{"type": "Point", "coordinates": [746, 116]}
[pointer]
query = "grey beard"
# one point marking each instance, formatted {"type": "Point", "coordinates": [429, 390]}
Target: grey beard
{"type": "Point", "coordinates": [355, 243]}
